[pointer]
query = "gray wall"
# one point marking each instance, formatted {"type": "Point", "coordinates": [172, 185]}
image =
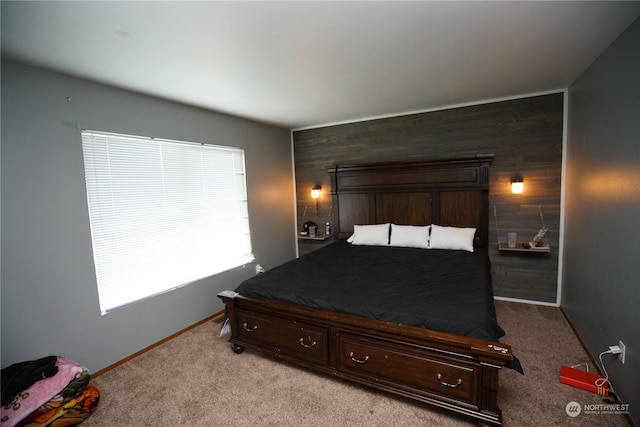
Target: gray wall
{"type": "Point", "coordinates": [49, 296]}
{"type": "Point", "coordinates": [601, 290]}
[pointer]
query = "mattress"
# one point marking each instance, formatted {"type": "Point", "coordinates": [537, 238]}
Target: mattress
{"type": "Point", "coordinates": [442, 290]}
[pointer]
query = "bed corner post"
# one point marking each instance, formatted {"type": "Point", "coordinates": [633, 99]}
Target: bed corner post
{"type": "Point", "coordinates": [492, 358]}
{"type": "Point", "coordinates": [335, 219]}
{"type": "Point", "coordinates": [485, 161]}
{"type": "Point", "coordinates": [228, 298]}
{"type": "Point", "coordinates": [489, 395]}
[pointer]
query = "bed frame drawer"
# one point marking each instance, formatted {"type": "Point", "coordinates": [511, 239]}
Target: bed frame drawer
{"type": "Point", "coordinates": [284, 337]}
{"type": "Point", "coordinates": [418, 371]}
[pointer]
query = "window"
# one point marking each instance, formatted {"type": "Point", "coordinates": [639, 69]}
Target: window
{"type": "Point", "coordinates": [163, 213]}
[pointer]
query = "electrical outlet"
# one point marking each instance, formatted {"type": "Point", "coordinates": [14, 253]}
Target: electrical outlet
{"type": "Point", "coordinates": [622, 353]}
{"type": "Point", "coordinates": [259, 269]}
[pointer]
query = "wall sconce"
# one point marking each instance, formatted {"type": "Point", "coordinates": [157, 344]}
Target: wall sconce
{"type": "Point", "coordinates": [517, 185]}
{"type": "Point", "coordinates": [315, 192]}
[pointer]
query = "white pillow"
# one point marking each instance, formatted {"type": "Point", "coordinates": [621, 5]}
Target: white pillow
{"type": "Point", "coordinates": [455, 238]}
{"type": "Point", "coordinates": [375, 235]}
{"type": "Point", "coordinates": [410, 236]}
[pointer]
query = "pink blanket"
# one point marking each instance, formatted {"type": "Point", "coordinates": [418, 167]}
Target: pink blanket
{"type": "Point", "coordinates": [39, 393]}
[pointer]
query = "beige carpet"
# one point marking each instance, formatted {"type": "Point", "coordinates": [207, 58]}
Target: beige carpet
{"type": "Point", "coordinates": [196, 380]}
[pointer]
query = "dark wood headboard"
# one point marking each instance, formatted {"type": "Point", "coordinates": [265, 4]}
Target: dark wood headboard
{"type": "Point", "coordinates": [451, 192]}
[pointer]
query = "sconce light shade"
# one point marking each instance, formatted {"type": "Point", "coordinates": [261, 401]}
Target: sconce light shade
{"type": "Point", "coordinates": [517, 185]}
{"type": "Point", "coordinates": [315, 191]}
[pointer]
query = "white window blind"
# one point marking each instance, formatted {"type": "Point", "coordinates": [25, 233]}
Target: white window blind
{"type": "Point", "coordinates": [163, 213]}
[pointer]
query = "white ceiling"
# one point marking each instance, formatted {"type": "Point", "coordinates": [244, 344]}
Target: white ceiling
{"type": "Point", "coordinates": [307, 63]}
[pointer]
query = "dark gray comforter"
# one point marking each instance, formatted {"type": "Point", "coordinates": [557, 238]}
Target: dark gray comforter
{"type": "Point", "coordinates": [443, 290]}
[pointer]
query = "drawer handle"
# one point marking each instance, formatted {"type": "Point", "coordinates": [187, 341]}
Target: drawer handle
{"type": "Point", "coordinates": [307, 345]}
{"type": "Point", "coordinates": [447, 384]}
{"type": "Point", "coordinates": [246, 327]}
{"type": "Point", "coordinates": [358, 360]}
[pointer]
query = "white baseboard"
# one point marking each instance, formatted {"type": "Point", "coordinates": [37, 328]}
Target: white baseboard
{"type": "Point", "coordinates": [526, 301]}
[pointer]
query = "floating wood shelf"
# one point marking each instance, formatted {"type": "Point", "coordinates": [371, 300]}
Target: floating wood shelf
{"type": "Point", "coordinates": [502, 246]}
{"type": "Point", "coordinates": [316, 237]}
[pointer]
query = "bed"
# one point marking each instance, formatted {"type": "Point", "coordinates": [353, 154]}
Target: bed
{"type": "Point", "coordinates": [412, 316]}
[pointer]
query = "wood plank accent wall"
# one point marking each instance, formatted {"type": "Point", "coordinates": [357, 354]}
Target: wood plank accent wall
{"type": "Point", "coordinates": [524, 134]}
